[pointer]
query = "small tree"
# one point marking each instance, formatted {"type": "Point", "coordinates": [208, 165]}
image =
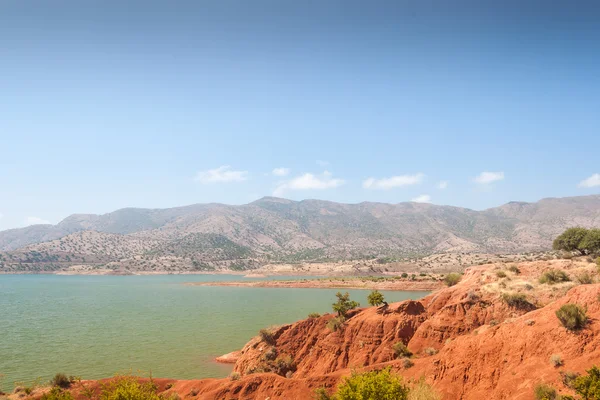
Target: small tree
{"type": "Point", "coordinates": [344, 304]}
{"type": "Point", "coordinates": [375, 298]}
{"type": "Point", "coordinates": [570, 240]}
{"type": "Point", "coordinates": [373, 385]}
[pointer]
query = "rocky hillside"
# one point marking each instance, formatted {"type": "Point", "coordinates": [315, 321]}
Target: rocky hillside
{"type": "Point", "coordinates": [209, 236]}
{"type": "Point", "coordinates": [469, 341]}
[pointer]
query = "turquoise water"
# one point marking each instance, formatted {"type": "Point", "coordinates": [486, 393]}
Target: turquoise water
{"type": "Point", "coordinates": [95, 326]}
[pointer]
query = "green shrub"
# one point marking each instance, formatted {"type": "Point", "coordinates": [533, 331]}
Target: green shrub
{"type": "Point", "coordinates": [588, 386]}
{"type": "Point", "coordinates": [56, 393]}
{"type": "Point", "coordinates": [314, 315]}
{"type": "Point", "coordinates": [321, 393]}
{"type": "Point", "coordinates": [568, 378]}
{"type": "Point", "coordinates": [400, 350]}
{"type": "Point", "coordinates": [335, 323]}
{"type": "Point", "coordinates": [554, 276]}
{"type": "Point", "coordinates": [267, 336]}
{"type": "Point", "coordinates": [271, 354]}
{"type": "Point", "coordinates": [235, 376]}
{"type": "Point", "coordinates": [375, 298]}
{"type": "Point", "coordinates": [584, 278]}
{"type": "Point", "coordinates": [501, 274]}
{"type": "Point", "coordinates": [128, 388]}
{"type": "Point", "coordinates": [572, 316]}
{"type": "Point", "coordinates": [516, 300]}
{"type": "Point", "coordinates": [514, 269]}
{"type": "Point", "coordinates": [404, 275]}
{"type": "Point", "coordinates": [545, 392]}
{"type": "Point", "coordinates": [61, 380]}
{"type": "Point", "coordinates": [284, 364]}
{"type": "Point", "coordinates": [452, 279]}
{"type": "Point", "coordinates": [344, 304]}
{"type": "Point", "coordinates": [373, 385]}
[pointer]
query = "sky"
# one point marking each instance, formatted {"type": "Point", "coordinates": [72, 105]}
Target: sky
{"type": "Point", "coordinates": [111, 104]}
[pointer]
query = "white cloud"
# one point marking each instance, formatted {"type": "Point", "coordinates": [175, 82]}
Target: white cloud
{"type": "Point", "coordinates": [424, 198]}
{"type": "Point", "coordinates": [592, 181]}
{"type": "Point", "coordinates": [488, 177]}
{"type": "Point", "coordinates": [393, 182]}
{"type": "Point", "coordinates": [309, 182]}
{"type": "Point", "coordinates": [223, 174]}
{"type": "Point", "coordinates": [322, 163]}
{"type": "Point", "coordinates": [442, 185]}
{"type": "Point", "coordinates": [281, 171]}
{"type": "Point", "coordinates": [35, 221]}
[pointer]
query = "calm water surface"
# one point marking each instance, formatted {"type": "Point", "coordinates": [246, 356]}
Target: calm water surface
{"type": "Point", "coordinates": [95, 326]}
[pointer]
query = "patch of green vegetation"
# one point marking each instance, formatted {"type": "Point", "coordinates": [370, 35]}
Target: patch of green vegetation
{"type": "Point", "coordinates": [128, 388]}
{"type": "Point", "coordinates": [375, 298]}
{"type": "Point", "coordinates": [56, 393]}
{"type": "Point", "coordinates": [373, 385]}
{"type": "Point", "coordinates": [400, 350]}
{"type": "Point", "coordinates": [344, 304]}
{"type": "Point", "coordinates": [572, 316]}
{"type": "Point", "coordinates": [517, 300]}
{"type": "Point", "coordinates": [554, 276]}
{"type": "Point", "coordinates": [334, 324]}
{"type": "Point", "coordinates": [452, 278]}
{"type": "Point", "coordinates": [267, 336]}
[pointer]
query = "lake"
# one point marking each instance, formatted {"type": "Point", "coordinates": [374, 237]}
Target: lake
{"type": "Point", "coordinates": [96, 326]}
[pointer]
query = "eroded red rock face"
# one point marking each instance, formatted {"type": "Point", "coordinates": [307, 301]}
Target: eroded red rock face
{"type": "Point", "coordinates": [485, 349]}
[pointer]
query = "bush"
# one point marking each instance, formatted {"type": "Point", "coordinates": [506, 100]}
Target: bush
{"type": "Point", "coordinates": [375, 298]}
{"type": "Point", "coordinates": [568, 378]}
{"type": "Point", "coordinates": [61, 380]}
{"type": "Point", "coordinates": [284, 364]}
{"type": "Point", "coordinates": [556, 360]}
{"type": "Point", "coordinates": [404, 275]}
{"type": "Point", "coordinates": [128, 388]}
{"type": "Point", "coordinates": [501, 274]}
{"type": "Point", "coordinates": [584, 278]}
{"type": "Point", "coordinates": [545, 392]}
{"type": "Point", "coordinates": [400, 350]}
{"type": "Point", "coordinates": [335, 323]}
{"type": "Point", "coordinates": [422, 391]}
{"type": "Point", "coordinates": [517, 300]}
{"type": "Point", "coordinates": [235, 376]}
{"type": "Point", "coordinates": [572, 316]}
{"type": "Point", "coordinates": [271, 354]}
{"type": "Point", "coordinates": [430, 351]}
{"type": "Point", "coordinates": [554, 276]}
{"type": "Point", "coordinates": [56, 393]}
{"type": "Point", "coordinates": [514, 269]}
{"type": "Point", "coordinates": [588, 386]}
{"type": "Point", "coordinates": [452, 279]}
{"type": "Point", "coordinates": [314, 315]}
{"type": "Point", "coordinates": [407, 363]}
{"type": "Point", "coordinates": [322, 394]}
{"type": "Point", "coordinates": [373, 385]}
{"type": "Point", "coordinates": [267, 336]}
{"type": "Point", "coordinates": [344, 304]}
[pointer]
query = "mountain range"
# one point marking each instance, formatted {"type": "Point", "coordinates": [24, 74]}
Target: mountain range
{"type": "Point", "coordinates": [218, 236]}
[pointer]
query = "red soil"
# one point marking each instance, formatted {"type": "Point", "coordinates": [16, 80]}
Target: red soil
{"type": "Point", "coordinates": [485, 348]}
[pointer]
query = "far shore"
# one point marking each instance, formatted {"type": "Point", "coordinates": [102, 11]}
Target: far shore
{"type": "Point", "coordinates": [334, 283]}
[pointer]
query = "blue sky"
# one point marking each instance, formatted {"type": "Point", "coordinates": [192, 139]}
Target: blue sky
{"type": "Point", "coordinates": [114, 104]}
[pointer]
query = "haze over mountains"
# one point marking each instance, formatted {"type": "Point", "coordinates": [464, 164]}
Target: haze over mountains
{"type": "Point", "coordinates": [216, 236]}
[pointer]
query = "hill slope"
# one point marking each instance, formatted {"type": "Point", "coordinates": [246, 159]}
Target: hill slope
{"type": "Point", "coordinates": [273, 229]}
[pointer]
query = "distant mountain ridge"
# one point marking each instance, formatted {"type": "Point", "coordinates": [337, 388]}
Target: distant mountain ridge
{"type": "Point", "coordinates": [275, 229]}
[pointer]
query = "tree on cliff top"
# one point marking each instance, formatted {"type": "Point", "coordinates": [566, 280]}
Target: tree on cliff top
{"type": "Point", "coordinates": [375, 298]}
{"type": "Point", "coordinates": [344, 304]}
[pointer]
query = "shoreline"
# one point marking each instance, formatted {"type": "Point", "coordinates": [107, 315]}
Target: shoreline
{"type": "Point", "coordinates": [333, 283]}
